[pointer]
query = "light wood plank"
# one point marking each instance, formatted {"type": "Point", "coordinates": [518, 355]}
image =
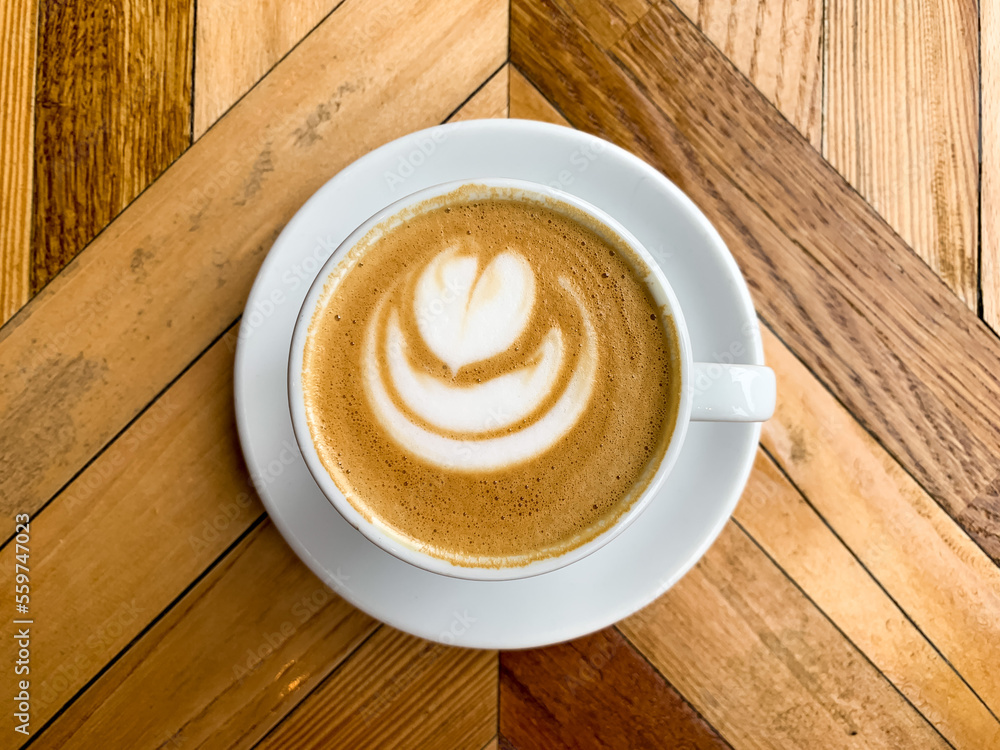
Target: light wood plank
{"type": "Point", "coordinates": [18, 37]}
{"type": "Point", "coordinates": [527, 102]}
{"type": "Point", "coordinates": [990, 196]}
{"type": "Point", "coordinates": [488, 101]}
{"type": "Point", "coordinates": [237, 43]}
{"type": "Point", "coordinates": [763, 665]}
{"type": "Point", "coordinates": [793, 534]}
{"type": "Point", "coordinates": [790, 531]}
{"type": "Point", "coordinates": [399, 691]}
{"type": "Point", "coordinates": [902, 119]}
{"type": "Point", "coordinates": [166, 278]}
{"type": "Point", "coordinates": [134, 529]}
{"type": "Point", "coordinates": [245, 646]}
{"type": "Point", "coordinates": [113, 111]}
{"type": "Point", "coordinates": [939, 577]}
{"type": "Point", "coordinates": [866, 315]}
{"type": "Point", "coordinates": [777, 45]}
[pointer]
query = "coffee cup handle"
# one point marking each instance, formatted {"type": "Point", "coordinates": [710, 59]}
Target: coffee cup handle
{"type": "Point", "coordinates": [732, 393]}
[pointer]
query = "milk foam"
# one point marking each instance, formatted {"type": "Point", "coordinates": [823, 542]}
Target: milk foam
{"type": "Point", "coordinates": [464, 319]}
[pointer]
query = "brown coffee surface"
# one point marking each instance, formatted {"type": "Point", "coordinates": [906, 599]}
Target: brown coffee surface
{"type": "Point", "coordinates": [455, 504]}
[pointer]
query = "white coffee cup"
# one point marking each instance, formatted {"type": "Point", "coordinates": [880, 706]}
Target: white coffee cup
{"type": "Point", "coordinates": [709, 392]}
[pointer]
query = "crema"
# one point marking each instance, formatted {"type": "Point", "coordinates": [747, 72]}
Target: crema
{"type": "Point", "coordinates": [490, 380]}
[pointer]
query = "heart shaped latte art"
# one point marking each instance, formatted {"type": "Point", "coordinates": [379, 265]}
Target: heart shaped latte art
{"type": "Point", "coordinates": [464, 317]}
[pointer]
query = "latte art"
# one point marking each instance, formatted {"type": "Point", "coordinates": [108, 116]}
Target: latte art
{"type": "Point", "coordinates": [482, 318]}
{"type": "Point", "coordinates": [489, 380]}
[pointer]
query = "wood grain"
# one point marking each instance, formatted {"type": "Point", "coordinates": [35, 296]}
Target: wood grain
{"type": "Point", "coordinates": [107, 124]}
{"type": "Point", "coordinates": [790, 531]}
{"type": "Point", "coordinates": [489, 101]}
{"type": "Point", "coordinates": [133, 518]}
{"type": "Point", "coordinates": [174, 271]}
{"type": "Point", "coordinates": [237, 43]}
{"type": "Point", "coordinates": [247, 644]}
{"type": "Point", "coordinates": [594, 692]}
{"type": "Point", "coordinates": [989, 20]}
{"type": "Point", "coordinates": [867, 316]}
{"type": "Point", "coordinates": [947, 586]}
{"type": "Point", "coordinates": [808, 422]}
{"type": "Point", "coordinates": [132, 531]}
{"type": "Point", "coordinates": [777, 44]}
{"type": "Point", "coordinates": [902, 120]}
{"type": "Point", "coordinates": [527, 102]}
{"type": "Point", "coordinates": [386, 693]}
{"type": "Point", "coordinates": [606, 20]}
{"type": "Point", "coordinates": [763, 665]}
{"type": "Point", "coordinates": [18, 37]}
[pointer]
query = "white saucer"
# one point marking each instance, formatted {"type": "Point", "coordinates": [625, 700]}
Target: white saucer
{"type": "Point", "coordinates": [630, 571]}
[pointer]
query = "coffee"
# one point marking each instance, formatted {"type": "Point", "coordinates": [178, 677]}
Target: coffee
{"type": "Point", "coordinates": [490, 379]}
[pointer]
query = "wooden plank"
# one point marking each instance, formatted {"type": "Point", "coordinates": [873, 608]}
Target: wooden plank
{"type": "Point", "coordinates": [244, 647]}
{"type": "Point", "coordinates": [166, 278]}
{"type": "Point", "coordinates": [130, 518]}
{"type": "Point", "coordinates": [384, 695]}
{"type": "Point", "coordinates": [990, 188]}
{"type": "Point", "coordinates": [763, 665]}
{"type": "Point", "coordinates": [810, 422]}
{"type": "Point", "coordinates": [902, 120]}
{"type": "Point", "coordinates": [237, 43]}
{"type": "Point", "coordinates": [489, 101]}
{"type": "Point", "coordinates": [132, 531]}
{"type": "Point", "coordinates": [774, 514]}
{"type": "Point", "coordinates": [594, 692]}
{"type": "Point", "coordinates": [18, 36]}
{"type": "Point", "coordinates": [107, 123]}
{"type": "Point", "coordinates": [950, 589]}
{"type": "Point", "coordinates": [777, 45]}
{"type": "Point", "coordinates": [527, 102]}
{"type": "Point", "coordinates": [606, 20]}
{"type": "Point", "coordinates": [838, 286]}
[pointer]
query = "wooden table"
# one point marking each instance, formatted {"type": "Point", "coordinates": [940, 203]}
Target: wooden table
{"type": "Point", "coordinates": [156, 149]}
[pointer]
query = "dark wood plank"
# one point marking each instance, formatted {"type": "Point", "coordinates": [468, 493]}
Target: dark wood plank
{"type": "Point", "coordinates": [18, 21]}
{"type": "Point", "coordinates": [594, 692]}
{"type": "Point", "coordinates": [398, 691]}
{"type": "Point", "coordinates": [868, 317]}
{"type": "Point", "coordinates": [162, 282]}
{"type": "Point", "coordinates": [113, 110]}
